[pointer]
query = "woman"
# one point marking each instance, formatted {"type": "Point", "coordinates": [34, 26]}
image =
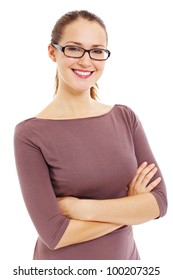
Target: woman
{"type": "Point", "coordinates": [86, 170]}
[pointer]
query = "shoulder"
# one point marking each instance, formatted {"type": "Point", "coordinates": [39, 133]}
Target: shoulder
{"type": "Point", "coordinates": [24, 125]}
{"type": "Point", "coordinates": [127, 115]}
{"type": "Point", "coordinates": [124, 110]}
{"type": "Point", "coordinates": [24, 129]}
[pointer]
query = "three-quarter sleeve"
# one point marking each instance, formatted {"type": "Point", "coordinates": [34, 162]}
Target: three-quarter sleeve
{"type": "Point", "coordinates": [144, 153]}
{"type": "Point", "coordinates": [36, 187]}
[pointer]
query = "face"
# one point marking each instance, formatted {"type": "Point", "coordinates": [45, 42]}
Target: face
{"type": "Point", "coordinates": [80, 74]}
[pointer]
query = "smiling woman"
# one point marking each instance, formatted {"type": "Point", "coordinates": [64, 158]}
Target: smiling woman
{"type": "Point", "coordinates": [74, 36]}
{"type": "Point", "coordinates": [86, 170]}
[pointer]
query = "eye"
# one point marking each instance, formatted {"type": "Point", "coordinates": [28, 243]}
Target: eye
{"type": "Point", "coordinates": [73, 49]}
{"type": "Point", "coordinates": [98, 51]}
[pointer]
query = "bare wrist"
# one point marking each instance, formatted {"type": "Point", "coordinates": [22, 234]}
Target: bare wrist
{"type": "Point", "coordinates": [86, 209]}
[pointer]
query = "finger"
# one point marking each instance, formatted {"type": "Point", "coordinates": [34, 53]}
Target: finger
{"type": "Point", "coordinates": [145, 172]}
{"type": "Point", "coordinates": [138, 171]}
{"type": "Point", "coordinates": [153, 184]}
{"type": "Point", "coordinates": [149, 176]}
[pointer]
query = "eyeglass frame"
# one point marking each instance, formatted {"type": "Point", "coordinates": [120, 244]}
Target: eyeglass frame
{"type": "Point", "coordinates": [61, 48]}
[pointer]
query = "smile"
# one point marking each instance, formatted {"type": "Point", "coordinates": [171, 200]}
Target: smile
{"type": "Point", "coordinates": [83, 74]}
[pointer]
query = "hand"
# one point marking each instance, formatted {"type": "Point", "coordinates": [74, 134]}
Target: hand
{"type": "Point", "coordinates": [141, 182]}
{"type": "Point", "coordinates": [71, 207]}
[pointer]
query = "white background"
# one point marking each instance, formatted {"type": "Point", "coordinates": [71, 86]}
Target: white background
{"type": "Point", "coordinates": [139, 74]}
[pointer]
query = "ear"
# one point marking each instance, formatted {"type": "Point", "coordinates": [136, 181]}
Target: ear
{"type": "Point", "coordinates": [51, 52]}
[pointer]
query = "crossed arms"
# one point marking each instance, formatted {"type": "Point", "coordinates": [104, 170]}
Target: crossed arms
{"type": "Point", "coordinates": [90, 219]}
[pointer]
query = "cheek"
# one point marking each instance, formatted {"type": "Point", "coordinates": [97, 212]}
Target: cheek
{"type": "Point", "coordinates": [100, 65]}
{"type": "Point", "coordinates": [63, 61]}
{"type": "Point", "coordinates": [69, 62]}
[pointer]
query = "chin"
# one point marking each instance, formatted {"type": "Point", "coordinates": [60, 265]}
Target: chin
{"type": "Point", "coordinates": [81, 90]}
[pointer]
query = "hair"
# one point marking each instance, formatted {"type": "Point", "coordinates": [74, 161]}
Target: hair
{"type": "Point", "coordinates": [57, 34]}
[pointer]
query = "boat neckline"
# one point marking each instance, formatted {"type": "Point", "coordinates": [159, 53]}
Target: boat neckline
{"type": "Point", "coordinates": [74, 119]}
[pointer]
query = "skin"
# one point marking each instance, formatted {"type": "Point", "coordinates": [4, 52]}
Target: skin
{"type": "Point", "coordinates": [87, 218]}
{"type": "Point", "coordinates": [138, 207]}
{"type": "Point", "coordinates": [73, 97]}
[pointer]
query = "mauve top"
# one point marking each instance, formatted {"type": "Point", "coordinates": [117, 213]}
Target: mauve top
{"type": "Point", "coordinates": [94, 158]}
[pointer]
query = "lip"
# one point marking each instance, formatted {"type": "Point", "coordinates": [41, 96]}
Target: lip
{"type": "Point", "coordinates": [84, 74]}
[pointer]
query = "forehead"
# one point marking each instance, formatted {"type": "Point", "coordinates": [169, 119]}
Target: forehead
{"type": "Point", "coordinates": [85, 32]}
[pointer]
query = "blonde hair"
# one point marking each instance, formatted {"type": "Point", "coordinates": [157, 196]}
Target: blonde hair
{"type": "Point", "coordinates": [57, 34]}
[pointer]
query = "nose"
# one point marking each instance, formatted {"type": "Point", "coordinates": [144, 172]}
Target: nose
{"type": "Point", "coordinates": [85, 59]}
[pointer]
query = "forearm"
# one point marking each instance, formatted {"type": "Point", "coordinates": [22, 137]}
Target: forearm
{"type": "Point", "coordinates": [81, 231]}
{"type": "Point", "coordinates": [139, 206]}
{"type": "Point", "coordinates": [131, 210]}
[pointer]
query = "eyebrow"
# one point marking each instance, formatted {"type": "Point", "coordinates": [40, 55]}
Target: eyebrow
{"type": "Point", "coordinates": [79, 44]}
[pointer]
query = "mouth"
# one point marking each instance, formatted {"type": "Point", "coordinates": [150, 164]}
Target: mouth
{"type": "Point", "coordinates": [84, 74]}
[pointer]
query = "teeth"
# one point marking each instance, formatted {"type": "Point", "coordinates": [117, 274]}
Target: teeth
{"type": "Point", "coordinates": [82, 73]}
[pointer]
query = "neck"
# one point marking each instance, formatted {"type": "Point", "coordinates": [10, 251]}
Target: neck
{"type": "Point", "coordinates": [76, 103]}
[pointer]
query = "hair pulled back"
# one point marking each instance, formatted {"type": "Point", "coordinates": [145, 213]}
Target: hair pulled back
{"type": "Point", "coordinates": [57, 34]}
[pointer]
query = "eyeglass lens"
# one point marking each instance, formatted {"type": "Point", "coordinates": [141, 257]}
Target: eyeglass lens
{"type": "Point", "coordinates": [96, 53]}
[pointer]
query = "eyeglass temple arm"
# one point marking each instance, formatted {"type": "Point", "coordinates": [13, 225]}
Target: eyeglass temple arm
{"type": "Point", "coordinates": [57, 46]}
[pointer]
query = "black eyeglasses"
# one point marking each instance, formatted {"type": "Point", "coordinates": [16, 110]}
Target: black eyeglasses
{"type": "Point", "coordinates": [78, 52]}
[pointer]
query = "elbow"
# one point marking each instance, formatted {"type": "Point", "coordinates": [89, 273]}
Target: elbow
{"type": "Point", "coordinates": [52, 238]}
{"type": "Point", "coordinates": [58, 246]}
{"type": "Point", "coordinates": [50, 244]}
{"type": "Point", "coordinates": [53, 245]}
{"type": "Point", "coordinates": [162, 203]}
{"type": "Point", "coordinates": [163, 207]}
